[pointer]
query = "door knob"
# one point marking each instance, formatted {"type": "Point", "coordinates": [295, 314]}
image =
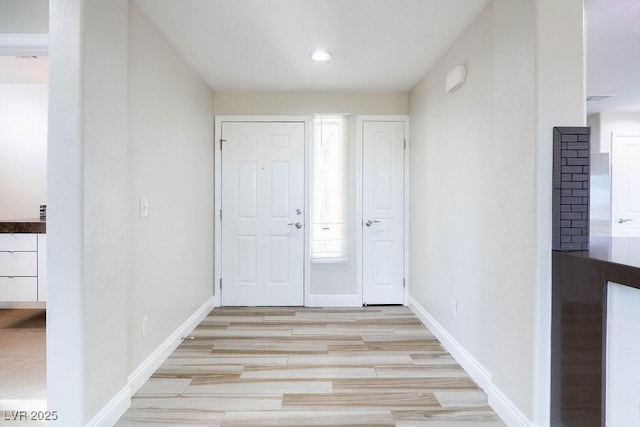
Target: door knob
{"type": "Point", "coordinates": [370, 222]}
{"type": "Point", "coordinates": [622, 220]}
{"type": "Point", "coordinates": [296, 225]}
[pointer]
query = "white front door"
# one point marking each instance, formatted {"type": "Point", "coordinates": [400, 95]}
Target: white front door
{"type": "Point", "coordinates": [383, 212]}
{"type": "Point", "coordinates": [625, 185]}
{"type": "Point", "coordinates": [262, 213]}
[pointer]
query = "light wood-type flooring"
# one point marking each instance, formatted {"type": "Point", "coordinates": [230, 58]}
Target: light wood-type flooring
{"type": "Point", "coordinates": [373, 366]}
{"type": "Point", "coordinates": [23, 357]}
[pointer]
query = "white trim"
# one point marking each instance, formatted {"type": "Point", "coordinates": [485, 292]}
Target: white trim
{"type": "Point", "coordinates": [118, 405]}
{"type": "Point", "coordinates": [113, 410]}
{"type": "Point", "coordinates": [24, 44]}
{"type": "Point", "coordinates": [308, 141]}
{"type": "Point", "coordinates": [407, 199]}
{"type": "Point", "coordinates": [333, 301]}
{"type": "Point", "coordinates": [506, 409]}
{"type": "Point", "coordinates": [359, 248]}
{"type": "Point", "coordinates": [144, 371]}
{"type": "Point", "coordinates": [498, 401]}
{"type": "Point", "coordinates": [308, 123]}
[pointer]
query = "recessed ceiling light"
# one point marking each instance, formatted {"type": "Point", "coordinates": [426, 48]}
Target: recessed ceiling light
{"type": "Point", "coordinates": [320, 55]}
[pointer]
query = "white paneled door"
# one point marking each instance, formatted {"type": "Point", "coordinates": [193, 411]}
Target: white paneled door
{"type": "Point", "coordinates": [383, 212]}
{"type": "Point", "coordinates": [262, 213]}
{"type": "Point", "coordinates": [625, 185]}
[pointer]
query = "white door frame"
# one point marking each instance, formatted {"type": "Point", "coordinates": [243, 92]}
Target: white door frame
{"type": "Point", "coordinates": [615, 230]}
{"type": "Point", "coordinates": [359, 146]}
{"type": "Point", "coordinates": [219, 120]}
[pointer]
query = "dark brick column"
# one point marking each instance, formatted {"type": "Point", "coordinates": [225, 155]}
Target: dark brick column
{"type": "Point", "coordinates": [571, 154]}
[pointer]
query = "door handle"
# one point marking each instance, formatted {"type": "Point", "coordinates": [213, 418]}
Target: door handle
{"type": "Point", "coordinates": [370, 222]}
{"type": "Point", "coordinates": [296, 225]}
{"type": "Point", "coordinates": [622, 220]}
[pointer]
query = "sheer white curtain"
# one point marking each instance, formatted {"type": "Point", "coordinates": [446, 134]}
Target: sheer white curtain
{"type": "Point", "coordinates": [330, 190]}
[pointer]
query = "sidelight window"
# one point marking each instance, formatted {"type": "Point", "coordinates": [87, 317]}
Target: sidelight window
{"type": "Point", "coordinates": [330, 187]}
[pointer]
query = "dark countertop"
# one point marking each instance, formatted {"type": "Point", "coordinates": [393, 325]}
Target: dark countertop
{"type": "Point", "coordinates": [620, 257]}
{"type": "Point", "coordinates": [619, 250]}
{"type": "Point", "coordinates": [32, 225]}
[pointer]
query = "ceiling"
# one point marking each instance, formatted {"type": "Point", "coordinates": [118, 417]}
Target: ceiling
{"type": "Point", "coordinates": [613, 54]}
{"type": "Point", "coordinates": [377, 44]}
{"type": "Point", "coordinates": [257, 45]}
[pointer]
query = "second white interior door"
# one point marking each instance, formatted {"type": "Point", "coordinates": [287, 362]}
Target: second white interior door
{"type": "Point", "coordinates": [262, 213]}
{"type": "Point", "coordinates": [383, 212]}
{"type": "Point", "coordinates": [625, 185]}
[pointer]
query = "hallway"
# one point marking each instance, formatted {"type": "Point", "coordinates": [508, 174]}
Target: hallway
{"type": "Point", "coordinates": [372, 366]}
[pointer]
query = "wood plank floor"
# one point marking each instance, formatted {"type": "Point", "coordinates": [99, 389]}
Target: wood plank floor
{"type": "Point", "coordinates": [374, 366]}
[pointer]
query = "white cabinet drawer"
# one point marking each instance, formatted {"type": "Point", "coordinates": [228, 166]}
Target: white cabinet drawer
{"type": "Point", "coordinates": [19, 289]}
{"type": "Point", "coordinates": [18, 263]}
{"type": "Point", "coordinates": [18, 242]}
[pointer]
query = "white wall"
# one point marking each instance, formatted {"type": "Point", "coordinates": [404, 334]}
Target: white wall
{"type": "Point", "coordinates": [106, 184]}
{"type": "Point", "coordinates": [128, 116]}
{"type": "Point", "coordinates": [87, 222]}
{"type": "Point", "coordinates": [623, 372]}
{"type": "Point", "coordinates": [24, 16]}
{"type": "Point", "coordinates": [66, 375]}
{"type": "Point", "coordinates": [23, 149]}
{"type": "Point", "coordinates": [560, 101]}
{"type": "Point", "coordinates": [607, 124]}
{"type": "Point", "coordinates": [472, 188]}
{"type": "Point", "coordinates": [326, 279]}
{"type": "Point", "coordinates": [242, 103]}
{"type": "Point", "coordinates": [476, 176]}
{"type": "Point", "coordinates": [171, 164]}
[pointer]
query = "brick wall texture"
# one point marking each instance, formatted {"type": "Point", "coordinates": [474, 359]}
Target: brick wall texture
{"type": "Point", "coordinates": [571, 154]}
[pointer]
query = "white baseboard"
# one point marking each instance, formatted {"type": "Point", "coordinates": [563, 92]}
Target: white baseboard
{"type": "Point", "coordinates": [333, 301]}
{"type": "Point", "coordinates": [113, 410]}
{"type": "Point", "coordinates": [500, 403]}
{"type": "Point", "coordinates": [144, 371]}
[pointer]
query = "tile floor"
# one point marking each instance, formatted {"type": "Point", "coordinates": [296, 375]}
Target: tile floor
{"type": "Point", "coordinates": [374, 366]}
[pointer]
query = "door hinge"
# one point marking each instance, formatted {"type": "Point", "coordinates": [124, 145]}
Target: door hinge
{"type": "Point", "coordinates": [221, 141]}
{"type": "Point", "coordinates": [220, 214]}
{"type": "Point", "coordinates": [404, 282]}
{"type": "Point", "coordinates": [221, 283]}
{"type": "Point", "coordinates": [405, 144]}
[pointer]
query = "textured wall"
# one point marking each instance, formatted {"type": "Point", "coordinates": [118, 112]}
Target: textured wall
{"type": "Point", "coordinates": [170, 128]}
{"type": "Point", "coordinates": [473, 192]}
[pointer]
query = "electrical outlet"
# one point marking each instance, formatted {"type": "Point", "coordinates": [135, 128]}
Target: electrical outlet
{"type": "Point", "coordinates": [453, 308]}
{"type": "Point", "coordinates": [146, 327]}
